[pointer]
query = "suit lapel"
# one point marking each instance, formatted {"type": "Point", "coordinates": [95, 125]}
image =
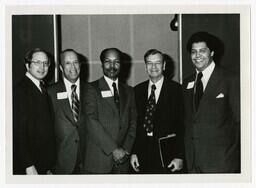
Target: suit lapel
{"type": "Point", "coordinates": [122, 97]}
{"type": "Point", "coordinates": [103, 86]}
{"type": "Point", "coordinates": [161, 98]}
{"type": "Point", "coordinates": [64, 103]}
{"type": "Point", "coordinates": [145, 95]}
{"type": "Point", "coordinates": [210, 88]}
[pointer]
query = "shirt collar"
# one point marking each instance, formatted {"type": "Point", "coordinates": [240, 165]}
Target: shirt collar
{"type": "Point", "coordinates": [158, 84]}
{"type": "Point", "coordinates": [208, 70]}
{"type": "Point", "coordinates": [68, 84]}
{"type": "Point", "coordinates": [34, 80]}
{"type": "Point", "coordinates": [110, 82]}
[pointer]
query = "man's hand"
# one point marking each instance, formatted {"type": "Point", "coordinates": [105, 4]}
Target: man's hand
{"type": "Point", "coordinates": [135, 162]}
{"type": "Point", "coordinates": [176, 164]}
{"type": "Point", "coordinates": [49, 172]}
{"type": "Point", "coordinates": [31, 170]}
{"type": "Point", "coordinates": [118, 154]}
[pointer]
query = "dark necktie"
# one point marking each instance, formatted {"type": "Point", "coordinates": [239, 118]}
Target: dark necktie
{"type": "Point", "coordinates": [42, 86]}
{"type": "Point", "coordinates": [199, 90]}
{"type": "Point", "coordinates": [75, 102]}
{"type": "Point", "coordinates": [150, 108]}
{"type": "Point", "coordinates": [116, 96]}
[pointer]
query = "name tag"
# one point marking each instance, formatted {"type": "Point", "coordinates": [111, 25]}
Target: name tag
{"type": "Point", "coordinates": [62, 95]}
{"type": "Point", "coordinates": [150, 134]}
{"type": "Point", "coordinates": [190, 85]}
{"type": "Point", "coordinates": [105, 94]}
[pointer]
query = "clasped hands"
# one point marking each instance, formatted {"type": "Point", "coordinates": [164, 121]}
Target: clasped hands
{"type": "Point", "coordinates": [120, 155]}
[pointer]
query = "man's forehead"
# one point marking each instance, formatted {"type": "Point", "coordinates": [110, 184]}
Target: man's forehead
{"type": "Point", "coordinates": [70, 55]}
{"type": "Point", "coordinates": [157, 56]}
{"type": "Point", "coordinates": [39, 55]}
{"type": "Point", "coordinates": [112, 53]}
{"type": "Point", "coordinates": [199, 45]}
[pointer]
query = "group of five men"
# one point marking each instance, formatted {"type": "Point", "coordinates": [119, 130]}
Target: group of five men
{"type": "Point", "coordinates": [107, 127]}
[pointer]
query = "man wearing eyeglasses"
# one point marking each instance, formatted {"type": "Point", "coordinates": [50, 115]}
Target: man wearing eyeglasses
{"type": "Point", "coordinates": [67, 99]}
{"type": "Point", "coordinates": [33, 130]}
{"type": "Point", "coordinates": [159, 105]}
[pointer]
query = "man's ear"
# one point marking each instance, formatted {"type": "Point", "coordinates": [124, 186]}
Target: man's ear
{"type": "Point", "coordinates": [27, 66]}
{"type": "Point", "coordinates": [212, 53]}
{"type": "Point", "coordinates": [164, 63]}
{"type": "Point", "coordinates": [61, 68]}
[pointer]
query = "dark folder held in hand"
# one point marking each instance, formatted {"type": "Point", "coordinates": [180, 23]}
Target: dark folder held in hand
{"type": "Point", "coordinates": [167, 149]}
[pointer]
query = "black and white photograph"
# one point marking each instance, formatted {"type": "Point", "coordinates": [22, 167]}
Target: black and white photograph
{"type": "Point", "coordinates": [125, 94]}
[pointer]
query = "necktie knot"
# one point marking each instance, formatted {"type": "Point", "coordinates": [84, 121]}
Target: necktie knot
{"type": "Point", "coordinates": [199, 75]}
{"type": "Point", "coordinates": [73, 87]}
{"type": "Point", "coordinates": [114, 85]}
{"type": "Point", "coordinates": [153, 87]}
{"type": "Point", "coordinates": [42, 86]}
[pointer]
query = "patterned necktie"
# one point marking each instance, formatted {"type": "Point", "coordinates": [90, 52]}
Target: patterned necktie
{"type": "Point", "coordinates": [75, 102]}
{"type": "Point", "coordinates": [199, 90]}
{"type": "Point", "coordinates": [150, 108]}
{"type": "Point", "coordinates": [116, 96]}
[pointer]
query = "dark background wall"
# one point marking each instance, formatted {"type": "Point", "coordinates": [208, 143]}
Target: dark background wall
{"type": "Point", "coordinates": [30, 32]}
{"type": "Point", "coordinates": [226, 27]}
{"type": "Point", "coordinates": [141, 32]}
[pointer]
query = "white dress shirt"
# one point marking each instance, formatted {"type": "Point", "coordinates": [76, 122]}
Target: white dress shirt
{"type": "Point", "coordinates": [207, 74]}
{"type": "Point", "coordinates": [34, 80]}
{"type": "Point", "coordinates": [158, 85]}
{"type": "Point", "coordinates": [68, 85]}
{"type": "Point", "coordinates": [110, 82]}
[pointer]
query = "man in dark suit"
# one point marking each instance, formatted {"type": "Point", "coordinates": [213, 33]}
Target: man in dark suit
{"type": "Point", "coordinates": [66, 98]}
{"type": "Point", "coordinates": [212, 112]}
{"type": "Point", "coordinates": [33, 130]}
{"type": "Point", "coordinates": [112, 119]}
{"type": "Point", "coordinates": [159, 105]}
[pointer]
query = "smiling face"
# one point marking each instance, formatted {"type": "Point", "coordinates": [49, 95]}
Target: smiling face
{"type": "Point", "coordinates": [111, 64]}
{"type": "Point", "coordinates": [38, 67]}
{"type": "Point", "coordinates": [70, 66]}
{"type": "Point", "coordinates": [201, 55]}
{"type": "Point", "coordinates": [155, 66]}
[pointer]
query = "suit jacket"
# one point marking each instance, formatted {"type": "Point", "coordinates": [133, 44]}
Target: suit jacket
{"type": "Point", "coordinates": [69, 134]}
{"type": "Point", "coordinates": [212, 134]}
{"type": "Point", "coordinates": [33, 131]}
{"type": "Point", "coordinates": [167, 119]}
{"type": "Point", "coordinates": [107, 129]}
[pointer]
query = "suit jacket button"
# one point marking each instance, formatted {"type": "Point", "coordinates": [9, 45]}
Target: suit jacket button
{"type": "Point", "coordinates": [76, 140]}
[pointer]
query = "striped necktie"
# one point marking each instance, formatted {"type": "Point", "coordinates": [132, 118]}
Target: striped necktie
{"type": "Point", "coordinates": [75, 102]}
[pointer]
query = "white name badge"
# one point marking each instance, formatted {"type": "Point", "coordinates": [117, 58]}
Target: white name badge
{"type": "Point", "coordinates": [105, 94]}
{"type": "Point", "coordinates": [62, 95]}
{"type": "Point", "coordinates": [190, 85]}
{"type": "Point", "coordinates": [150, 134]}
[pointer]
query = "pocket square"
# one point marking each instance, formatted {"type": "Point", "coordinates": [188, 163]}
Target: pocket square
{"type": "Point", "coordinates": [221, 95]}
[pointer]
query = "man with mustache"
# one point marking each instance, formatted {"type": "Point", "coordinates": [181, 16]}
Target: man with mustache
{"type": "Point", "coordinates": [111, 112]}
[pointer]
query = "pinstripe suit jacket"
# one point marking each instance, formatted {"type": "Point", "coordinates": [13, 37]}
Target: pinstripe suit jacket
{"type": "Point", "coordinates": [106, 128]}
